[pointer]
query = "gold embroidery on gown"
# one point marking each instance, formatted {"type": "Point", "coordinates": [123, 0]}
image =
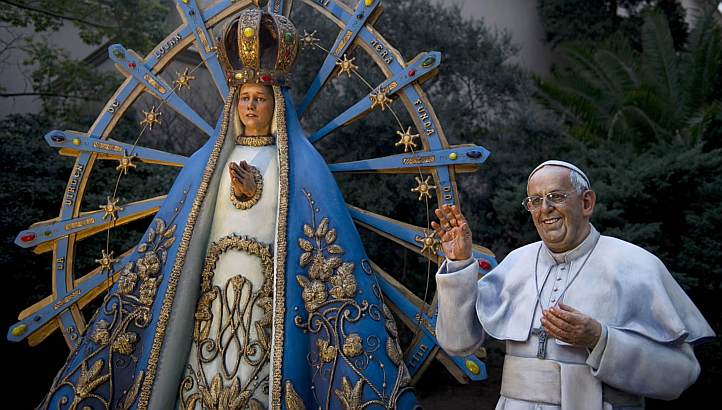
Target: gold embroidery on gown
{"type": "Point", "coordinates": [237, 337]}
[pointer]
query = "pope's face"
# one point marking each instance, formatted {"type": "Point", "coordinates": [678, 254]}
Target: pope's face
{"type": "Point", "coordinates": [561, 226]}
{"type": "Point", "coordinates": [255, 108]}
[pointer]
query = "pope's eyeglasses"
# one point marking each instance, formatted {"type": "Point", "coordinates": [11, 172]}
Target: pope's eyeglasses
{"type": "Point", "coordinates": [532, 203]}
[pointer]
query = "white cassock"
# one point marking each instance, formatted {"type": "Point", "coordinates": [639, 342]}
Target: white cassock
{"type": "Point", "coordinates": [648, 323]}
{"type": "Point", "coordinates": [231, 348]}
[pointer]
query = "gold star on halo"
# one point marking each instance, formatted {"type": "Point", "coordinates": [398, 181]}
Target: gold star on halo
{"type": "Point", "coordinates": [111, 209]}
{"type": "Point", "coordinates": [309, 40]}
{"type": "Point", "coordinates": [125, 163]}
{"type": "Point", "coordinates": [429, 242]}
{"type": "Point", "coordinates": [424, 188]}
{"type": "Point", "coordinates": [152, 117]}
{"type": "Point", "coordinates": [380, 98]}
{"type": "Point", "coordinates": [183, 80]}
{"type": "Point", "coordinates": [106, 261]}
{"type": "Point", "coordinates": [407, 139]}
{"type": "Point", "coordinates": [347, 66]}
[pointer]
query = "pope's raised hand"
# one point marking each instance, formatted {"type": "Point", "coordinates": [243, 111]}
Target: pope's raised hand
{"type": "Point", "coordinates": [454, 232]}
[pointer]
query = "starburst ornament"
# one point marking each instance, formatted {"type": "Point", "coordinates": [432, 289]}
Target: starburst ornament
{"type": "Point", "coordinates": [111, 209]}
{"type": "Point", "coordinates": [429, 242]}
{"type": "Point", "coordinates": [183, 80]}
{"type": "Point", "coordinates": [152, 118]}
{"type": "Point", "coordinates": [346, 66]}
{"type": "Point", "coordinates": [309, 40]}
{"type": "Point", "coordinates": [106, 261]}
{"type": "Point", "coordinates": [380, 98]}
{"type": "Point", "coordinates": [125, 163]}
{"type": "Point", "coordinates": [424, 188]}
{"type": "Point", "coordinates": [407, 139]}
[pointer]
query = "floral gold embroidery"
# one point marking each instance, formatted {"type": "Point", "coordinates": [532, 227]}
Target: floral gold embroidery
{"type": "Point", "coordinates": [328, 353]}
{"type": "Point", "coordinates": [352, 345]}
{"type": "Point", "coordinates": [329, 292]}
{"type": "Point", "coordinates": [127, 280]}
{"type": "Point", "coordinates": [125, 343]}
{"type": "Point", "coordinates": [350, 397]}
{"type": "Point", "coordinates": [101, 335]}
{"type": "Point", "coordinates": [344, 283]}
{"type": "Point", "coordinates": [293, 400]}
{"type": "Point", "coordinates": [89, 379]}
{"type": "Point", "coordinates": [314, 293]}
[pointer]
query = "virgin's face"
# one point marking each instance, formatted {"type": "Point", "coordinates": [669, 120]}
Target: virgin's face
{"type": "Point", "coordinates": [255, 108]}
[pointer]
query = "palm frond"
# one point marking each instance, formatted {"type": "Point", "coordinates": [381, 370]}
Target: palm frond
{"type": "Point", "coordinates": [585, 66]}
{"type": "Point", "coordinates": [637, 126]}
{"type": "Point", "coordinates": [699, 122]}
{"type": "Point", "coordinates": [659, 59]}
{"type": "Point", "coordinates": [622, 74]}
{"type": "Point", "coordinates": [572, 104]}
{"type": "Point", "coordinates": [702, 63]}
{"type": "Point", "coordinates": [657, 106]}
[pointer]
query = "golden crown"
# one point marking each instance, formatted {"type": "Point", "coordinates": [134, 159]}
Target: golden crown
{"type": "Point", "coordinates": [258, 47]}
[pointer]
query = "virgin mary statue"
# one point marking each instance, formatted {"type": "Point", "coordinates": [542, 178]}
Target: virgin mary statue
{"type": "Point", "coordinates": [251, 288]}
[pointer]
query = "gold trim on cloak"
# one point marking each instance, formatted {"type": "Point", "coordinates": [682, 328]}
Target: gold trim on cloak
{"type": "Point", "coordinates": [281, 238]}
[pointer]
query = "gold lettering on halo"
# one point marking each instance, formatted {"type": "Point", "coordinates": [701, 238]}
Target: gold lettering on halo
{"type": "Point", "coordinates": [418, 160]}
{"type": "Point", "coordinates": [151, 81]}
{"type": "Point", "coordinates": [203, 39]}
{"type": "Point", "coordinates": [382, 51]}
{"type": "Point", "coordinates": [81, 223]}
{"type": "Point", "coordinates": [62, 302]}
{"type": "Point", "coordinates": [106, 146]}
{"type": "Point", "coordinates": [343, 42]}
{"type": "Point", "coordinates": [70, 190]}
{"type": "Point", "coordinates": [168, 45]}
{"type": "Point", "coordinates": [423, 117]}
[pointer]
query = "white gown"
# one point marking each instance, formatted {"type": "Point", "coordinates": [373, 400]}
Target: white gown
{"type": "Point", "coordinates": [228, 340]}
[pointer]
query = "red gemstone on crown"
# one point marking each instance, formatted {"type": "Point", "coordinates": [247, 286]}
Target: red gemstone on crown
{"type": "Point", "coordinates": [131, 64]}
{"type": "Point", "coordinates": [484, 265]}
{"type": "Point", "coordinates": [266, 78]}
{"type": "Point", "coordinates": [412, 73]}
{"type": "Point", "coordinates": [28, 237]}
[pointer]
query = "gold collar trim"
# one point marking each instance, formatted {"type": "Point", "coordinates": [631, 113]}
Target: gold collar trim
{"type": "Point", "coordinates": [256, 140]}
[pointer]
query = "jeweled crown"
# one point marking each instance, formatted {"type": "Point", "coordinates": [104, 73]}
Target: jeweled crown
{"type": "Point", "coordinates": [258, 47]}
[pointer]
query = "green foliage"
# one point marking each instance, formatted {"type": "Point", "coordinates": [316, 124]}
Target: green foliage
{"type": "Point", "coordinates": [65, 84]}
{"type": "Point", "coordinates": [649, 122]}
{"type": "Point", "coordinates": [137, 24]}
{"type": "Point", "coordinates": [612, 92]}
{"type": "Point", "coordinates": [666, 200]}
{"type": "Point", "coordinates": [575, 20]}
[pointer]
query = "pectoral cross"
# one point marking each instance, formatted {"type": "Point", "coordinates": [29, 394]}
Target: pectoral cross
{"type": "Point", "coordinates": [541, 351]}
